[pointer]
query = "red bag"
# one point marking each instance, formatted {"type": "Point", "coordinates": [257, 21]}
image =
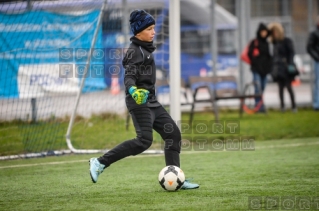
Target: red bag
{"type": "Point", "coordinates": [244, 53]}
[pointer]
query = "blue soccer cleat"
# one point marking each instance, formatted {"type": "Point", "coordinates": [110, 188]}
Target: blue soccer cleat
{"type": "Point", "coordinates": [96, 168]}
{"type": "Point", "coordinates": [187, 185]}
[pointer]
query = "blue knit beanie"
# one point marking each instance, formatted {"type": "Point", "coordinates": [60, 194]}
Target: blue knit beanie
{"type": "Point", "coordinates": [140, 20]}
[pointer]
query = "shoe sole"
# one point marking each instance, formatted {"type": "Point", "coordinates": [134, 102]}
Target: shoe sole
{"type": "Point", "coordinates": [90, 172]}
{"type": "Point", "coordinates": [189, 188]}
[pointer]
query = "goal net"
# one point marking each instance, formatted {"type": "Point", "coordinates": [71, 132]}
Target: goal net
{"type": "Point", "coordinates": [61, 78]}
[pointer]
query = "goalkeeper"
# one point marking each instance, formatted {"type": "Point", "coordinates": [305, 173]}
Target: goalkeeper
{"type": "Point", "coordinates": [146, 112]}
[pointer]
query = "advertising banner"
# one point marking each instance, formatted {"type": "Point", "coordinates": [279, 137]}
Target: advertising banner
{"type": "Point", "coordinates": [32, 62]}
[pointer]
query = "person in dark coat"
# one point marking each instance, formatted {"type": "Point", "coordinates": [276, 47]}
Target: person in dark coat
{"type": "Point", "coordinates": [261, 61]}
{"type": "Point", "coordinates": [283, 56]}
{"type": "Point", "coordinates": [313, 50]}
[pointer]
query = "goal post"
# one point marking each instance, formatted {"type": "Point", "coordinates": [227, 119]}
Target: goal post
{"type": "Point", "coordinates": [175, 59]}
{"type": "Point", "coordinates": [37, 84]}
{"type": "Point", "coordinates": [54, 97]}
{"type": "Point", "coordinates": [87, 66]}
{"type": "Point", "coordinates": [124, 27]}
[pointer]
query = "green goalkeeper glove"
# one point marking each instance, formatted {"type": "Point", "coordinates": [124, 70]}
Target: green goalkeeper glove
{"type": "Point", "coordinates": [139, 95]}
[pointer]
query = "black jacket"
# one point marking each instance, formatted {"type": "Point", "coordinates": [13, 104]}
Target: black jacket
{"type": "Point", "coordinates": [313, 44]}
{"type": "Point", "coordinates": [262, 63]}
{"type": "Point", "coordinates": [283, 56]}
{"type": "Point", "coordinates": [140, 71]}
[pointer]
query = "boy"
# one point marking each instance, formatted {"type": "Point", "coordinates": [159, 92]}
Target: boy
{"type": "Point", "coordinates": [146, 112]}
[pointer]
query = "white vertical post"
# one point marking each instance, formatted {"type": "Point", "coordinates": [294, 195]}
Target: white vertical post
{"type": "Point", "coordinates": [312, 65]}
{"type": "Point", "coordinates": [213, 48]}
{"type": "Point", "coordinates": [174, 59]}
{"type": "Point", "coordinates": [248, 17]}
{"type": "Point", "coordinates": [125, 21]}
{"type": "Point", "coordinates": [241, 9]}
{"type": "Point", "coordinates": [213, 37]}
{"type": "Point", "coordinates": [87, 68]}
{"type": "Point", "coordinates": [247, 76]}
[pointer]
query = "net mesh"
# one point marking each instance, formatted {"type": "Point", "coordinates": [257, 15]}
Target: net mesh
{"type": "Point", "coordinates": [43, 59]}
{"type": "Point", "coordinates": [45, 49]}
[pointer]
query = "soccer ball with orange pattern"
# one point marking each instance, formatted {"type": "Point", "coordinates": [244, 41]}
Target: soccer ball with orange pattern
{"type": "Point", "coordinates": [171, 178]}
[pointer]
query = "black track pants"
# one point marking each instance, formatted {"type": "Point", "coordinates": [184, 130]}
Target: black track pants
{"type": "Point", "coordinates": [145, 119]}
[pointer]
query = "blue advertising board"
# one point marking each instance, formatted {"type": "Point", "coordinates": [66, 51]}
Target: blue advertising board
{"type": "Point", "coordinates": [44, 53]}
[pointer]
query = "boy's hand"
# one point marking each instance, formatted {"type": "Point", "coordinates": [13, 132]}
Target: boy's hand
{"type": "Point", "coordinates": [139, 95]}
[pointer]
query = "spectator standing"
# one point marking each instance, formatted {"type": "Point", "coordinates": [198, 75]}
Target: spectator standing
{"type": "Point", "coordinates": [261, 62]}
{"type": "Point", "coordinates": [313, 50]}
{"type": "Point", "coordinates": [284, 70]}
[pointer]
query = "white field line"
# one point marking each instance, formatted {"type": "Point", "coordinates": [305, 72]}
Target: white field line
{"type": "Point", "coordinates": [156, 155]}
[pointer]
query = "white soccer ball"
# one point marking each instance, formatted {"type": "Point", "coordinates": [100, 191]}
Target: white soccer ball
{"type": "Point", "coordinates": [171, 178]}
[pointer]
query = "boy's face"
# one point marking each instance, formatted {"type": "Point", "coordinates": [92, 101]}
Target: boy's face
{"type": "Point", "coordinates": [147, 34]}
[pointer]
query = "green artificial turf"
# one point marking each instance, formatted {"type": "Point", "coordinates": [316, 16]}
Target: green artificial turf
{"type": "Point", "coordinates": [229, 180]}
{"type": "Point", "coordinates": [106, 131]}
